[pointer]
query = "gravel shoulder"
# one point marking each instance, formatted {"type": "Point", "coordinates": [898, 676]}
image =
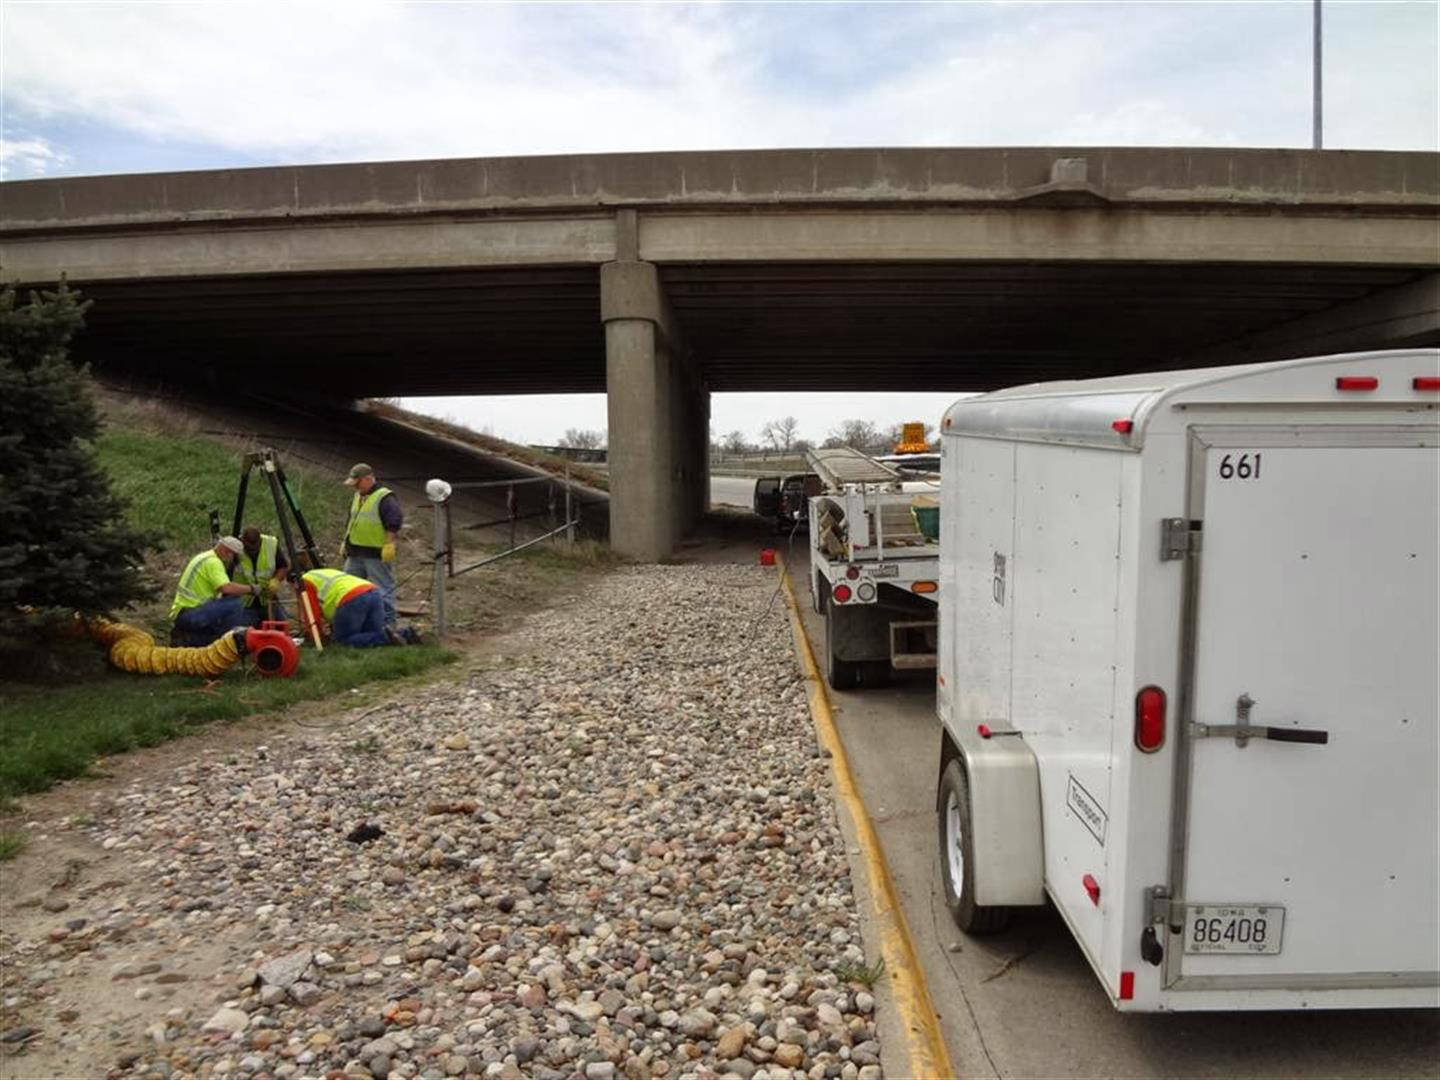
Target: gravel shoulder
{"type": "Point", "coordinates": [606, 848]}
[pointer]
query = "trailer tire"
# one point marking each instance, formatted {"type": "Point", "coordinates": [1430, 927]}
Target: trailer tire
{"type": "Point", "coordinates": [876, 673]}
{"type": "Point", "coordinates": [957, 856]}
{"type": "Point", "coordinates": [818, 592]}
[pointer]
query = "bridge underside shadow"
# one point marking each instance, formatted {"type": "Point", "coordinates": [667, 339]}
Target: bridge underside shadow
{"type": "Point", "coordinates": [660, 340]}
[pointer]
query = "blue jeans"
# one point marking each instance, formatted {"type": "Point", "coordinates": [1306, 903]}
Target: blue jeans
{"type": "Point", "coordinates": [360, 621]}
{"type": "Point", "coordinates": [202, 624]}
{"type": "Point", "coordinates": [379, 573]}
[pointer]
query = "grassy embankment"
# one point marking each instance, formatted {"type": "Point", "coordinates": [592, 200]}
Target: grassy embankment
{"type": "Point", "coordinates": [67, 706]}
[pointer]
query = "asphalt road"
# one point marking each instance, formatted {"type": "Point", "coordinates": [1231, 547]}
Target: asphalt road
{"type": "Point", "coordinates": [732, 491]}
{"type": "Point", "coordinates": [1025, 1003]}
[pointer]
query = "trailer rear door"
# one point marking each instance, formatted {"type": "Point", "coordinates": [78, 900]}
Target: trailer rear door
{"type": "Point", "coordinates": [1306, 854]}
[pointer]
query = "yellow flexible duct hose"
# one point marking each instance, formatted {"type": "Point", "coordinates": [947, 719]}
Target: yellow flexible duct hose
{"type": "Point", "coordinates": [133, 650]}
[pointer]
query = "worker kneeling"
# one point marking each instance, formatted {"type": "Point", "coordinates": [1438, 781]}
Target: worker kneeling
{"type": "Point", "coordinates": [352, 606]}
{"type": "Point", "coordinates": [207, 603]}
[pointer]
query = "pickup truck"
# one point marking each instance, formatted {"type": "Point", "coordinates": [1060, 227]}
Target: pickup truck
{"type": "Point", "coordinates": [783, 500]}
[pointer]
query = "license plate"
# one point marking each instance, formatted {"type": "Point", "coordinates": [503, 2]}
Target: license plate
{"type": "Point", "coordinates": [885, 570]}
{"type": "Point", "coordinates": [1251, 929]}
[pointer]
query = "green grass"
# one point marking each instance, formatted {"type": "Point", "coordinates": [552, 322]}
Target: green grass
{"type": "Point", "coordinates": [864, 974]}
{"type": "Point", "coordinates": [11, 843]}
{"type": "Point", "coordinates": [173, 480]}
{"type": "Point", "coordinates": [50, 733]}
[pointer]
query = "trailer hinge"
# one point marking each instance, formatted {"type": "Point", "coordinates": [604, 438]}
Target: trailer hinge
{"type": "Point", "coordinates": [1159, 910]}
{"type": "Point", "coordinates": [1178, 537]}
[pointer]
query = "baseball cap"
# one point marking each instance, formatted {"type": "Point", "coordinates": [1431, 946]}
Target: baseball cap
{"type": "Point", "coordinates": [233, 544]}
{"type": "Point", "coordinates": [357, 471]}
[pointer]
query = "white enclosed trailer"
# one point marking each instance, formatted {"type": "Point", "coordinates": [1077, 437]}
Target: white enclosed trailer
{"type": "Point", "coordinates": [1188, 677]}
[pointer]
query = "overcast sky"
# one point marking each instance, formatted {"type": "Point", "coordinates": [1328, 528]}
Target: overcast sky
{"type": "Point", "coordinates": [141, 87]}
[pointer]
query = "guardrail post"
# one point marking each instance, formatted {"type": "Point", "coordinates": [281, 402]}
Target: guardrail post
{"type": "Point", "coordinates": [569, 516]}
{"type": "Point", "coordinates": [442, 553]}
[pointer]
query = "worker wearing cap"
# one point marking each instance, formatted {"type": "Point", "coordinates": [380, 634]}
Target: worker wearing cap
{"type": "Point", "coordinates": [370, 535]}
{"type": "Point", "coordinates": [262, 563]}
{"type": "Point", "coordinates": [351, 605]}
{"type": "Point", "coordinates": [207, 602]}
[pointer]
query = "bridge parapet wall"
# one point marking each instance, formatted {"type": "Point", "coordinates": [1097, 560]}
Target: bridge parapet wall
{"type": "Point", "coordinates": [1382, 180]}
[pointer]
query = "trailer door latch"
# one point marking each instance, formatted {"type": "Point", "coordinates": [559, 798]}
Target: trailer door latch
{"type": "Point", "coordinates": [1242, 731]}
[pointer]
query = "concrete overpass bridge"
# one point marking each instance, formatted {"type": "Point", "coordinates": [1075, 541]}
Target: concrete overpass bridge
{"type": "Point", "coordinates": [661, 278]}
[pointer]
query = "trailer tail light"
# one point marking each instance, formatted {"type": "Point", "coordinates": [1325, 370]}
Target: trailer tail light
{"type": "Point", "coordinates": [852, 572]}
{"type": "Point", "coordinates": [1124, 427]}
{"type": "Point", "coordinates": [1425, 382]}
{"type": "Point", "coordinates": [1150, 719]}
{"type": "Point", "coordinates": [1357, 382]}
{"type": "Point", "coordinates": [1092, 888]}
{"type": "Point", "coordinates": [923, 587]}
{"type": "Point", "coordinates": [865, 591]}
{"type": "Point", "coordinates": [842, 593]}
{"type": "Point", "coordinates": [1127, 986]}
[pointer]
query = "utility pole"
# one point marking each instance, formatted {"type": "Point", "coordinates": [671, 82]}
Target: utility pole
{"type": "Point", "coordinates": [1318, 107]}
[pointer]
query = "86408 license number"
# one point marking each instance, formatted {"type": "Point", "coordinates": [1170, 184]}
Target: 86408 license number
{"type": "Point", "coordinates": [1253, 929]}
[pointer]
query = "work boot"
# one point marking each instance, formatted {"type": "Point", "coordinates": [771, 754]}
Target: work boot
{"type": "Point", "coordinates": [393, 635]}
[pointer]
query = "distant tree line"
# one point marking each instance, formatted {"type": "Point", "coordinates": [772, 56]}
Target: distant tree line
{"type": "Point", "coordinates": [783, 436]}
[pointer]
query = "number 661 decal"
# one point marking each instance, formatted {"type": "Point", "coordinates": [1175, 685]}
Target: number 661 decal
{"type": "Point", "coordinates": [1240, 467]}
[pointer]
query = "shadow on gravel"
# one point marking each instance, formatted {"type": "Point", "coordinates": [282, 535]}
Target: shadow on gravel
{"type": "Point", "coordinates": [728, 534]}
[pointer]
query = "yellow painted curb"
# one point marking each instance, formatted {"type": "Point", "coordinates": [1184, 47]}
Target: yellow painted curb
{"type": "Point", "coordinates": [926, 1047]}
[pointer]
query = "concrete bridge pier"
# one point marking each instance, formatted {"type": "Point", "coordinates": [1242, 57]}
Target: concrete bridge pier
{"type": "Point", "coordinates": [659, 416]}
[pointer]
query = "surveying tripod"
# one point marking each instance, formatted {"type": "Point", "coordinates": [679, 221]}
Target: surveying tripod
{"type": "Point", "coordinates": [268, 462]}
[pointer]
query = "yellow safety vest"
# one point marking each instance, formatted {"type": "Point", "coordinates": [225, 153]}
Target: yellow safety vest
{"type": "Point", "coordinates": [262, 570]}
{"type": "Point", "coordinates": [365, 528]}
{"type": "Point", "coordinates": [192, 590]}
{"type": "Point", "coordinates": [332, 586]}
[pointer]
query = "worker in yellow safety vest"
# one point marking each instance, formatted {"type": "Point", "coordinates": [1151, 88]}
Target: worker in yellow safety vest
{"type": "Point", "coordinates": [371, 533]}
{"type": "Point", "coordinates": [350, 605]}
{"type": "Point", "coordinates": [207, 603]}
{"type": "Point", "coordinates": [262, 563]}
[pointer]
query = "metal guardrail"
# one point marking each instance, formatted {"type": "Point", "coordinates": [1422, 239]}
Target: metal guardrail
{"type": "Point", "coordinates": [444, 539]}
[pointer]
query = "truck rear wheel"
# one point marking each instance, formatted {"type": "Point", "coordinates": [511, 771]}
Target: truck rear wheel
{"type": "Point", "coordinates": [957, 856]}
{"type": "Point", "coordinates": [876, 673]}
{"type": "Point", "coordinates": [840, 674]}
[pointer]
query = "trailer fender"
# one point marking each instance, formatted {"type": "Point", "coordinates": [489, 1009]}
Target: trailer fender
{"type": "Point", "coordinates": [1005, 822]}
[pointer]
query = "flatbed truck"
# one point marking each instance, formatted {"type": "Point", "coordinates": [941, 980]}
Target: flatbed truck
{"type": "Point", "coordinates": [874, 570]}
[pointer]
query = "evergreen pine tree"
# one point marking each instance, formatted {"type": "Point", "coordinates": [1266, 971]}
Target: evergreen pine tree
{"type": "Point", "coordinates": [64, 543]}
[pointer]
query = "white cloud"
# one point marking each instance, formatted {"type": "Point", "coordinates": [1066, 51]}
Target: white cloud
{"type": "Point", "coordinates": [311, 82]}
{"type": "Point", "coordinates": [28, 157]}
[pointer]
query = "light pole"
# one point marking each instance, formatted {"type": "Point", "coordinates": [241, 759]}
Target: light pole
{"type": "Point", "coordinates": [1318, 106]}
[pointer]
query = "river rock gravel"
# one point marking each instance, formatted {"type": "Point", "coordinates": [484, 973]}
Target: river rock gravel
{"type": "Point", "coordinates": [611, 852]}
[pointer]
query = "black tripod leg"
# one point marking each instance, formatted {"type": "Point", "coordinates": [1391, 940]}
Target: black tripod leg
{"type": "Point", "coordinates": [284, 522]}
{"type": "Point", "coordinates": [310, 548]}
{"type": "Point", "coordinates": [240, 496]}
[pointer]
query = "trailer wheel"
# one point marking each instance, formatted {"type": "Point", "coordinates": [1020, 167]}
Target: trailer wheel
{"type": "Point", "coordinates": [957, 856]}
{"type": "Point", "coordinates": [840, 674]}
{"type": "Point", "coordinates": [818, 592]}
